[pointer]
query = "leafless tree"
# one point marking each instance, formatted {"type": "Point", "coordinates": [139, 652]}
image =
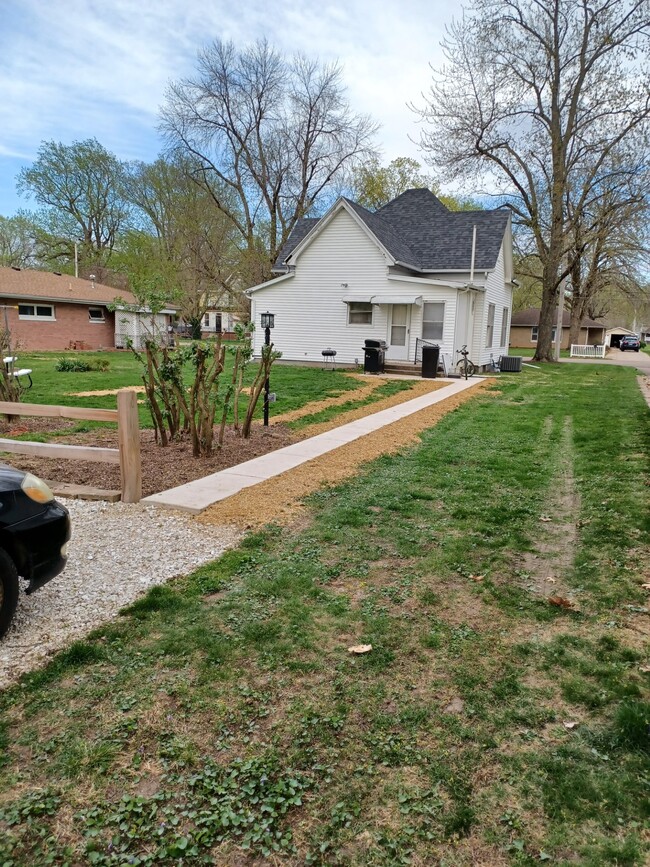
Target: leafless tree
{"type": "Point", "coordinates": [610, 250]}
{"type": "Point", "coordinates": [269, 134]}
{"type": "Point", "coordinates": [535, 94]}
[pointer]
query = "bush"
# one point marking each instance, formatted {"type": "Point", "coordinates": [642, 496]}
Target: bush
{"type": "Point", "coordinates": [79, 365]}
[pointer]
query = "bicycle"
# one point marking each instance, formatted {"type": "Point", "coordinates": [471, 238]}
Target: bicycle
{"type": "Point", "coordinates": [465, 367]}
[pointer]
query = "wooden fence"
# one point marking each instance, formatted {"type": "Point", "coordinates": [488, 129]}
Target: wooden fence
{"type": "Point", "coordinates": [127, 455]}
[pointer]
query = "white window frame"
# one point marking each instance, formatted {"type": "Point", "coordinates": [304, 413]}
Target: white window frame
{"type": "Point", "coordinates": [439, 324]}
{"type": "Point", "coordinates": [534, 331]}
{"type": "Point", "coordinates": [39, 317]}
{"type": "Point", "coordinates": [100, 319]}
{"type": "Point", "coordinates": [359, 309]}
{"type": "Point", "coordinates": [489, 333]}
{"type": "Point", "coordinates": [505, 313]}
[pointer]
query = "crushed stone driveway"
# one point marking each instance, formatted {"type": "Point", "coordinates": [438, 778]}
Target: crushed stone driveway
{"type": "Point", "coordinates": [117, 552]}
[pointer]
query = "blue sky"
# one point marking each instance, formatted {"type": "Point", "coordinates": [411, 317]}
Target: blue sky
{"type": "Point", "coordinates": [77, 69]}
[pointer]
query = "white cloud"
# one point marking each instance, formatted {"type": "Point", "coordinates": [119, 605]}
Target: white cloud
{"type": "Point", "coordinates": [74, 69]}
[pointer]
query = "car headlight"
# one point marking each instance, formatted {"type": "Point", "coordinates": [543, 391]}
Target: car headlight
{"type": "Point", "coordinates": [36, 489]}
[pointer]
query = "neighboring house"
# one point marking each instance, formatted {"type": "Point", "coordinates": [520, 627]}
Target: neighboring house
{"type": "Point", "coordinates": [218, 322]}
{"type": "Point", "coordinates": [525, 326]}
{"type": "Point", "coordinates": [409, 272]}
{"type": "Point", "coordinates": [45, 310]}
{"type": "Point", "coordinates": [613, 335]}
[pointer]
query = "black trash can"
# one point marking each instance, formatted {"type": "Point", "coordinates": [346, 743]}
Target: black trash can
{"type": "Point", "coordinates": [430, 358]}
{"type": "Point", "coordinates": [373, 356]}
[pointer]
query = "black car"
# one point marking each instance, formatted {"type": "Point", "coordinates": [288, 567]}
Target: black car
{"type": "Point", "coordinates": [630, 341]}
{"type": "Point", "coordinates": [34, 531]}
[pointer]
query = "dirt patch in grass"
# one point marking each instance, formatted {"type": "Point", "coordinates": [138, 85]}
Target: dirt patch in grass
{"type": "Point", "coordinates": [280, 500]}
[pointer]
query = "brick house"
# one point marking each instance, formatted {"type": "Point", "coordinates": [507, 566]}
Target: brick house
{"type": "Point", "coordinates": [525, 325]}
{"type": "Point", "coordinates": [49, 311]}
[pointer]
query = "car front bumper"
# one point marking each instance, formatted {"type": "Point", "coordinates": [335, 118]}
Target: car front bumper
{"type": "Point", "coordinates": [38, 545]}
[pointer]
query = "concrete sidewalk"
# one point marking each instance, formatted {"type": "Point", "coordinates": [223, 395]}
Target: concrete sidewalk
{"type": "Point", "coordinates": [198, 495]}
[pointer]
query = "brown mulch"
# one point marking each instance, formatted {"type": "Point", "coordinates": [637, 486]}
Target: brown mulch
{"type": "Point", "coordinates": [162, 468]}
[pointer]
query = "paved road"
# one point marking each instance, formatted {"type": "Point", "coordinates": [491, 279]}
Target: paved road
{"type": "Point", "coordinates": [640, 360]}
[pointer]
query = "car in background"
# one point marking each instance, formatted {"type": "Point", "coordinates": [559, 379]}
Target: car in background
{"type": "Point", "coordinates": [34, 532]}
{"type": "Point", "coordinates": [630, 341]}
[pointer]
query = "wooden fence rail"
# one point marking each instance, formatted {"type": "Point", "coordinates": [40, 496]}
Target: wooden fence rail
{"type": "Point", "coordinates": [127, 455]}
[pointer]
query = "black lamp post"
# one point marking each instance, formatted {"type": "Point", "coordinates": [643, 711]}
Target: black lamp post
{"type": "Point", "coordinates": [268, 322]}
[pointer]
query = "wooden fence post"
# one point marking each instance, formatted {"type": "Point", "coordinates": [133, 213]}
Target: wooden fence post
{"type": "Point", "coordinates": [128, 434]}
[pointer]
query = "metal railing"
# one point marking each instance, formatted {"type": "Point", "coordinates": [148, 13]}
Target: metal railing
{"type": "Point", "coordinates": [419, 343]}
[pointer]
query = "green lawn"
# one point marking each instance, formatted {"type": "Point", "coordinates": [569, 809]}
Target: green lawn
{"type": "Point", "coordinates": [222, 719]}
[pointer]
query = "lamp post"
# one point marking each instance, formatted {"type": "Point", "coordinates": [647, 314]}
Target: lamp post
{"type": "Point", "coordinates": [268, 322]}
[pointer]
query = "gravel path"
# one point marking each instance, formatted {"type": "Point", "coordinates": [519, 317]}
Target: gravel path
{"type": "Point", "coordinates": [116, 553]}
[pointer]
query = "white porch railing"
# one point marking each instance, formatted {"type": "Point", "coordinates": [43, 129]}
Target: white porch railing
{"type": "Point", "coordinates": [583, 351]}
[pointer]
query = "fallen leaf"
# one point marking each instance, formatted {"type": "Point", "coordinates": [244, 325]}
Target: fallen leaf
{"type": "Point", "coordinates": [561, 602]}
{"type": "Point", "coordinates": [569, 725]}
{"type": "Point", "coordinates": [545, 518]}
{"type": "Point", "coordinates": [552, 580]}
{"type": "Point", "coordinates": [360, 648]}
{"type": "Point", "coordinates": [477, 577]}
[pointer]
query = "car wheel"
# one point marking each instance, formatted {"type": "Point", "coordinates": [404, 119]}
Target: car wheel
{"type": "Point", "coordinates": [8, 591]}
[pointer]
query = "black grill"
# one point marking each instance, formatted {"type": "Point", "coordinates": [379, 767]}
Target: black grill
{"type": "Point", "coordinates": [374, 356]}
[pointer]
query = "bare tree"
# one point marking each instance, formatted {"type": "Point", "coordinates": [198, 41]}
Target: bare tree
{"type": "Point", "coordinates": [536, 93]}
{"type": "Point", "coordinates": [610, 250]}
{"type": "Point", "coordinates": [269, 134]}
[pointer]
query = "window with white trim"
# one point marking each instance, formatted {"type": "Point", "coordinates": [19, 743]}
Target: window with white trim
{"type": "Point", "coordinates": [96, 314]}
{"type": "Point", "coordinates": [504, 326]}
{"type": "Point", "coordinates": [433, 319]}
{"type": "Point", "coordinates": [35, 311]}
{"type": "Point", "coordinates": [489, 336]}
{"type": "Point", "coordinates": [359, 313]}
{"type": "Point", "coordinates": [534, 331]}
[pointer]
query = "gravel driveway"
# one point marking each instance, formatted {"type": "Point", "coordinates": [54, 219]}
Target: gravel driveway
{"type": "Point", "coordinates": [116, 553]}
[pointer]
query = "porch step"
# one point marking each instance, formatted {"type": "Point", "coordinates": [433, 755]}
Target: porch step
{"type": "Point", "coordinates": [403, 368]}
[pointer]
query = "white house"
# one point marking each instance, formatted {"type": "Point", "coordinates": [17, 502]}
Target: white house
{"type": "Point", "coordinates": [411, 271]}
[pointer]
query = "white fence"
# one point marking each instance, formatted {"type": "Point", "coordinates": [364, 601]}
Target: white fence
{"type": "Point", "coordinates": [583, 351]}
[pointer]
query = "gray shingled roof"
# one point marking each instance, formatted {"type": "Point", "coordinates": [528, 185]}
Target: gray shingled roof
{"type": "Point", "coordinates": [422, 234]}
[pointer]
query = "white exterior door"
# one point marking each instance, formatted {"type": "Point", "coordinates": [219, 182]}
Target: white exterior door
{"type": "Point", "coordinates": [399, 327]}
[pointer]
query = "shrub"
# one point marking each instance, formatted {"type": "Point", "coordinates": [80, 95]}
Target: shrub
{"type": "Point", "coordinates": [80, 365]}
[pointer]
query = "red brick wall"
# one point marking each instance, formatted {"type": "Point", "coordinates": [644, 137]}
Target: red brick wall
{"type": "Point", "coordinates": [71, 324]}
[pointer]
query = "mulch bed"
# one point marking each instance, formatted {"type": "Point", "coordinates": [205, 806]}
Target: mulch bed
{"type": "Point", "coordinates": [162, 468]}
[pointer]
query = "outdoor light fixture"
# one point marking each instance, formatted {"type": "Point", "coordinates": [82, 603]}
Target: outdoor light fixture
{"type": "Point", "coordinates": [268, 321]}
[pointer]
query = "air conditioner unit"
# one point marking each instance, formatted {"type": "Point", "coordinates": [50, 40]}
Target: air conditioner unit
{"type": "Point", "coordinates": [510, 363]}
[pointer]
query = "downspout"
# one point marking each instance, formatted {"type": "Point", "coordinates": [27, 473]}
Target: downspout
{"type": "Point", "coordinates": [471, 267]}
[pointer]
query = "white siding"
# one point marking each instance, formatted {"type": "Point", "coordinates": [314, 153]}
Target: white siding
{"type": "Point", "coordinates": [309, 313]}
{"type": "Point", "coordinates": [497, 293]}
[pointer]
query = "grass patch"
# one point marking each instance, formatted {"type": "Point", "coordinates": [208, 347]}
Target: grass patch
{"type": "Point", "coordinates": [221, 717]}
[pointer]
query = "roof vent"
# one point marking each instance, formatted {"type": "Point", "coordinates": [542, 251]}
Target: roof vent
{"type": "Point", "coordinates": [15, 268]}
